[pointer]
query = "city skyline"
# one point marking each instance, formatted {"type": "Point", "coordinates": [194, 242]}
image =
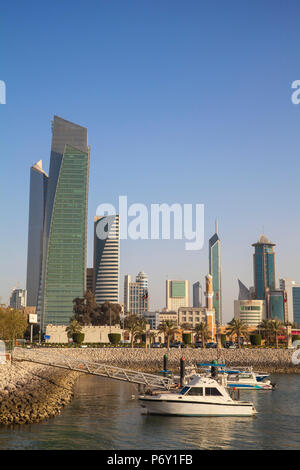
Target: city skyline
{"type": "Point", "coordinates": [174, 114]}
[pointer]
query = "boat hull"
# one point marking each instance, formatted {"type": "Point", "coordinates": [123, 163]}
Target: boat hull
{"type": "Point", "coordinates": [164, 407]}
{"type": "Point", "coordinates": [257, 386]}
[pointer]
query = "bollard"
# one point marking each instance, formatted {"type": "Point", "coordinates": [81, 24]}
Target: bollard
{"type": "Point", "coordinates": [165, 364]}
{"type": "Point", "coordinates": [182, 371]}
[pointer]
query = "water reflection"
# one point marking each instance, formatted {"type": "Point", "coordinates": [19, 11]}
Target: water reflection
{"type": "Point", "coordinates": [104, 416]}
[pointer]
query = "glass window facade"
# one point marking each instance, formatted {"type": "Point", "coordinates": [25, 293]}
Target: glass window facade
{"type": "Point", "coordinates": [65, 267]}
{"type": "Point", "coordinates": [296, 304]}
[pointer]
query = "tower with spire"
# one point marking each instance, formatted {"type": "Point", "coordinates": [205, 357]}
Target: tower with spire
{"type": "Point", "coordinates": [215, 272]}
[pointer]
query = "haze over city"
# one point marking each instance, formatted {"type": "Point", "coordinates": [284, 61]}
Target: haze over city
{"type": "Point", "coordinates": [188, 105]}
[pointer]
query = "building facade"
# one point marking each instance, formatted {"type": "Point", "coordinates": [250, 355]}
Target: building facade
{"type": "Point", "coordinates": [18, 299]}
{"type": "Point", "coordinates": [177, 294]}
{"type": "Point", "coordinates": [106, 258]}
{"type": "Point", "coordinates": [292, 299]}
{"type": "Point", "coordinates": [191, 315]}
{"type": "Point", "coordinates": [263, 267]}
{"type": "Point", "coordinates": [65, 225]}
{"type": "Point", "coordinates": [197, 295]}
{"type": "Point", "coordinates": [37, 203]}
{"type": "Point", "coordinates": [136, 294]}
{"type": "Point", "coordinates": [251, 312]}
{"type": "Point", "coordinates": [215, 272]}
{"type": "Point", "coordinates": [89, 279]}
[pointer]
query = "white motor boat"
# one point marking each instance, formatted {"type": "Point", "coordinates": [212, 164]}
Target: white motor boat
{"type": "Point", "coordinates": [203, 396]}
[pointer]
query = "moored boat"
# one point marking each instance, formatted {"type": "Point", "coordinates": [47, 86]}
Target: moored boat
{"type": "Point", "coordinates": [203, 396]}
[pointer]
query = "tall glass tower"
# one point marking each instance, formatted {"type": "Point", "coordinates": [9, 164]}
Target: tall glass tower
{"type": "Point", "coordinates": [37, 202]}
{"type": "Point", "coordinates": [65, 227]}
{"type": "Point", "coordinates": [106, 258]}
{"type": "Point", "coordinates": [215, 272]}
{"type": "Point", "coordinates": [264, 267]}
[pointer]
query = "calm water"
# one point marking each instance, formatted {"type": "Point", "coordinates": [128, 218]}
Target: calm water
{"type": "Point", "coordinates": [104, 416]}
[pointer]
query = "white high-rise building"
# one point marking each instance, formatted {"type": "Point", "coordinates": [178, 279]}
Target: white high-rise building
{"type": "Point", "coordinates": [18, 299]}
{"type": "Point", "coordinates": [136, 294]}
{"type": "Point", "coordinates": [292, 299]}
{"type": "Point", "coordinates": [177, 294]}
{"type": "Point", "coordinates": [106, 259]}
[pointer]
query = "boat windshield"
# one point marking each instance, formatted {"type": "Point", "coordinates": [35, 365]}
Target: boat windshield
{"type": "Point", "coordinates": [184, 390]}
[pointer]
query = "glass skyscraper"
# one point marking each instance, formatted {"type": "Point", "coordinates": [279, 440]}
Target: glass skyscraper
{"type": "Point", "coordinates": [37, 202]}
{"type": "Point", "coordinates": [215, 272]}
{"type": "Point", "coordinates": [65, 225]}
{"type": "Point", "coordinates": [264, 267]}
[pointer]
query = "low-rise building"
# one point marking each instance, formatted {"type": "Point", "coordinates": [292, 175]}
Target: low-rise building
{"type": "Point", "coordinates": [252, 312]}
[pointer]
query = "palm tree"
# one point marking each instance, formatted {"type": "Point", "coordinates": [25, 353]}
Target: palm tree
{"type": "Point", "coordinates": [266, 327]}
{"type": "Point", "coordinates": [73, 328]}
{"type": "Point", "coordinates": [136, 326]}
{"type": "Point", "coordinates": [276, 329]}
{"type": "Point", "coordinates": [168, 327]}
{"type": "Point", "coordinates": [202, 331]}
{"type": "Point", "coordinates": [239, 328]}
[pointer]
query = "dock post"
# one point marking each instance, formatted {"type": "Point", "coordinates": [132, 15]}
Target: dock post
{"type": "Point", "coordinates": [165, 364]}
{"type": "Point", "coordinates": [182, 371]}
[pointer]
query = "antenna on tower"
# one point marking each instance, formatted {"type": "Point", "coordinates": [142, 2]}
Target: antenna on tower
{"type": "Point", "coordinates": [217, 226]}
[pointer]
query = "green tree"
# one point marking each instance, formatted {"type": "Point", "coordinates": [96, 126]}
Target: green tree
{"type": "Point", "coordinates": [239, 328]}
{"type": "Point", "coordinates": [13, 324]}
{"type": "Point", "coordinates": [86, 309]}
{"type": "Point", "coordinates": [265, 327]}
{"type": "Point", "coordinates": [168, 327]}
{"type": "Point", "coordinates": [276, 329]}
{"type": "Point", "coordinates": [110, 314]}
{"type": "Point", "coordinates": [73, 328]}
{"type": "Point", "coordinates": [201, 331]}
{"type": "Point", "coordinates": [135, 325]}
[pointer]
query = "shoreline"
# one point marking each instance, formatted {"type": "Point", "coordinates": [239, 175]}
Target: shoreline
{"type": "Point", "coordinates": [30, 393]}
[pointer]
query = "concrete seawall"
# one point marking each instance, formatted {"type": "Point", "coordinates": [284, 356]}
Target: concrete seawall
{"type": "Point", "coordinates": [31, 392]}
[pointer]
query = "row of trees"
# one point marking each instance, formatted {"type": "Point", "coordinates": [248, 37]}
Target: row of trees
{"type": "Point", "coordinates": [270, 330]}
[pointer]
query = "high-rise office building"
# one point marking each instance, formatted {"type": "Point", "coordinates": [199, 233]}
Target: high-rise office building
{"type": "Point", "coordinates": [197, 295]}
{"type": "Point", "coordinates": [136, 294]}
{"type": "Point", "coordinates": [37, 202]}
{"type": "Point", "coordinates": [89, 279]}
{"type": "Point", "coordinates": [65, 224]}
{"type": "Point", "coordinates": [264, 267]}
{"type": "Point", "coordinates": [106, 258]}
{"type": "Point", "coordinates": [18, 299]}
{"type": "Point", "coordinates": [292, 299]}
{"type": "Point", "coordinates": [177, 294]}
{"type": "Point", "coordinates": [215, 272]}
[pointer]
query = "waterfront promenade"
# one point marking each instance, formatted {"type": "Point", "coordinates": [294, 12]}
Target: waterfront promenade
{"type": "Point", "coordinates": [32, 392]}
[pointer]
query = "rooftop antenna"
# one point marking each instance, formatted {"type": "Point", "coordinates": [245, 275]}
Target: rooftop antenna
{"type": "Point", "coordinates": [217, 226]}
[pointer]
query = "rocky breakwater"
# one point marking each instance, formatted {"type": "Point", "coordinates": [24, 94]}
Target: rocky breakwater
{"type": "Point", "coordinates": [269, 360]}
{"type": "Point", "coordinates": [30, 392]}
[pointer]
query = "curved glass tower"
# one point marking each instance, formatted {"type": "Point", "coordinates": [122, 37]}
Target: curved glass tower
{"type": "Point", "coordinates": [65, 227]}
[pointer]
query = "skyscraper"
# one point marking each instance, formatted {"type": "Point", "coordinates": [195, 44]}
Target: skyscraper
{"type": "Point", "coordinates": [106, 258]}
{"type": "Point", "coordinates": [37, 202]}
{"type": "Point", "coordinates": [65, 226]}
{"type": "Point", "coordinates": [264, 267]}
{"type": "Point", "coordinates": [292, 299]}
{"type": "Point", "coordinates": [197, 294]}
{"type": "Point", "coordinates": [18, 299]}
{"type": "Point", "coordinates": [215, 272]}
{"type": "Point", "coordinates": [136, 294]}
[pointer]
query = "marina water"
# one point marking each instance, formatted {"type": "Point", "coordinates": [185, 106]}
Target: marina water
{"type": "Point", "coordinates": [103, 415]}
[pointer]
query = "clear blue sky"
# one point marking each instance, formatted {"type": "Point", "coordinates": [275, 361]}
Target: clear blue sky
{"type": "Point", "coordinates": [185, 101]}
